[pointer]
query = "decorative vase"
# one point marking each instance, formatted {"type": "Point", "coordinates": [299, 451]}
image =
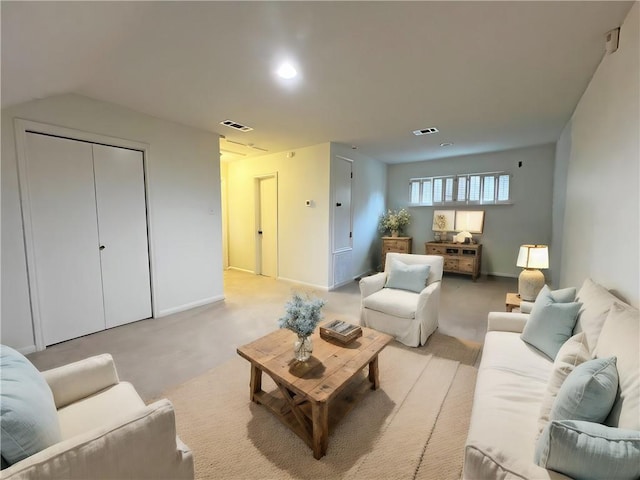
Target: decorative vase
{"type": "Point", "coordinates": [394, 233]}
{"type": "Point", "coordinates": [302, 348]}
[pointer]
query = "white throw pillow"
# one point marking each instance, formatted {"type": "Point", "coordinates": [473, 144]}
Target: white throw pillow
{"type": "Point", "coordinates": [596, 303]}
{"type": "Point", "coordinates": [572, 353]}
{"type": "Point", "coordinates": [620, 336]}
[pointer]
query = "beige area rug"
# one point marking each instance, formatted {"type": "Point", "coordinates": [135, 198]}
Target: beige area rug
{"type": "Point", "coordinates": [414, 426]}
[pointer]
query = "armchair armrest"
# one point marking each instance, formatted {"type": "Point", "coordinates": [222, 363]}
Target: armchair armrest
{"type": "Point", "coordinates": [506, 321]}
{"type": "Point", "coordinates": [143, 445]}
{"type": "Point", "coordinates": [78, 380]}
{"type": "Point", "coordinates": [371, 284]}
{"type": "Point", "coordinates": [427, 310]}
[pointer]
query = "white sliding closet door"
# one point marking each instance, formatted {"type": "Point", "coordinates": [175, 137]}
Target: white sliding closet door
{"type": "Point", "coordinates": [122, 223]}
{"type": "Point", "coordinates": [65, 237]}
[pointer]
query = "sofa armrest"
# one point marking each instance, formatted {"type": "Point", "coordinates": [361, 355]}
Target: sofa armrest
{"type": "Point", "coordinates": [506, 321]}
{"type": "Point", "coordinates": [372, 284]}
{"type": "Point", "coordinates": [525, 306]}
{"type": "Point", "coordinates": [142, 446]}
{"type": "Point", "coordinates": [78, 380]}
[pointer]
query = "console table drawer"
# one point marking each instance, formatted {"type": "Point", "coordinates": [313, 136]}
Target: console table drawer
{"type": "Point", "coordinates": [395, 244]}
{"type": "Point", "coordinates": [458, 258]}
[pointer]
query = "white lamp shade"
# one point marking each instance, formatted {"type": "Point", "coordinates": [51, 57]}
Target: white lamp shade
{"type": "Point", "coordinates": [533, 256]}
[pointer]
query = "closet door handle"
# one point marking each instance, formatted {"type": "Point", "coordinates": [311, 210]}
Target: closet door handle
{"type": "Point", "coordinates": [101, 247]}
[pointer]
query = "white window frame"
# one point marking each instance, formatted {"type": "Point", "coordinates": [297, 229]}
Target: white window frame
{"type": "Point", "coordinates": [444, 190]}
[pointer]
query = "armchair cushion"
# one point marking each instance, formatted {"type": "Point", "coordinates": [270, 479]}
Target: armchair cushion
{"type": "Point", "coordinates": [28, 417]}
{"type": "Point", "coordinates": [115, 403]}
{"type": "Point", "coordinates": [399, 303]}
{"type": "Point", "coordinates": [407, 277]}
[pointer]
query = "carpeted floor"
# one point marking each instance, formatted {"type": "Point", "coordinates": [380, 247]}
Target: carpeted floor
{"type": "Point", "coordinates": [414, 426]}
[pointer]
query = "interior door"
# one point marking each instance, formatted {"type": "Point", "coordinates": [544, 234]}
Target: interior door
{"type": "Point", "coordinates": [122, 224]}
{"type": "Point", "coordinates": [268, 226]}
{"type": "Point", "coordinates": [342, 204]}
{"type": "Point", "coordinates": [65, 237]}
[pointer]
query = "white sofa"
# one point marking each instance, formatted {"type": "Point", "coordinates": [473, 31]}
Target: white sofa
{"type": "Point", "coordinates": [107, 430]}
{"type": "Point", "coordinates": [408, 316]}
{"type": "Point", "coordinates": [511, 383]}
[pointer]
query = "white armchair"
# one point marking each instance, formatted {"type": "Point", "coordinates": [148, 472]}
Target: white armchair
{"type": "Point", "coordinates": [410, 317]}
{"type": "Point", "coordinates": [107, 430]}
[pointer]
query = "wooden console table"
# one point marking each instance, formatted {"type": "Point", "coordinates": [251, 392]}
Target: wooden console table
{"type": "Point", "coordinates": [462, 258]}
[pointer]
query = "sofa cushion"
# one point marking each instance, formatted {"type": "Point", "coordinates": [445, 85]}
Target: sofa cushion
{"type": "Point", "coordinates": [571, 354]}
{"type": "Point", "coordinates": [399, 303]}
{"type": "Point", "coordinates": [512, 379]}
{"type": "Point", "coordinates": [107, 406]}
{"type": "Point", "coordinates": [28, 416]}
{"type": "Point", "coordinates": [589, 450]}
{"type": "Point", "coordinates": [596, 303]}
{"type": "Point", "coordinates": [551, 322]}
{"type": "Point", "coordinates": [407, 277]}
{"type": "Point", "coordinates": [619, 337]}
{"type": "Point", "coordinates": [588, 392]}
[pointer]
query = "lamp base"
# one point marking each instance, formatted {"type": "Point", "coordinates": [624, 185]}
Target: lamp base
{"type": "Point", "coordinates": [530, 282]}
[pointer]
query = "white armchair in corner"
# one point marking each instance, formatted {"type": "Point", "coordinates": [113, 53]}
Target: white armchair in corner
{"type": "Point", "coordinates": [107, 430]}
{"type": "Point", "coordinates": [410, 317]}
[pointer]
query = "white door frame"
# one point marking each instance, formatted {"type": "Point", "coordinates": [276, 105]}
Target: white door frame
{"type": "Point", "coordinates": [257, 209]}
{"type": "Point", "coordinates": [21, 128]}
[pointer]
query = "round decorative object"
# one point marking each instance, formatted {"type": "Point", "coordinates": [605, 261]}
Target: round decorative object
{"type": "Point", "coordinates": [394, 233]}
{"type": "Point", "coordinates": [303, 348]}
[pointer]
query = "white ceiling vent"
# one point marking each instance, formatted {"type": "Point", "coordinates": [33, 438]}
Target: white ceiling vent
{"type": "Point", "coordinates": [426, 131]}
{"type": "Point", "coordinates": [236, 125]}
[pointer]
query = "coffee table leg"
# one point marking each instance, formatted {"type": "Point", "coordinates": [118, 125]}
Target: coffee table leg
{"type": "Point", "coordinates": [320, 416]}
{"type": "Point", "coordinates": [256, 382]}
{"type": "Point", "coordinates": [374, 376]}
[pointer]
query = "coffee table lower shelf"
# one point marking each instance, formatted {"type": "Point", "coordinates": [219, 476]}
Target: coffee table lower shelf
{"type": "Point", "coordinates": [303, 424]}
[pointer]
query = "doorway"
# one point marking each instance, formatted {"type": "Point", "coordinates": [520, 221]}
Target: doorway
{"type": "Point", "coordinates": [267, 226]}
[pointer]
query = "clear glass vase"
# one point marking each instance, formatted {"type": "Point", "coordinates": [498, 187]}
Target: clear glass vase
{"type": "Point", "coordinates": [303, 348]}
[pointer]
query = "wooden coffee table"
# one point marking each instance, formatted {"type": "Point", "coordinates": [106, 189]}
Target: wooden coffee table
{"type": "Point", "coordinates": [313, 396]}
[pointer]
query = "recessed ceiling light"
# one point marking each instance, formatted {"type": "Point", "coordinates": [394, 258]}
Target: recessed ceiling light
{"type": "Point", "coordinates": [446, 144]}
{"type": "Point", "coordinates": [286, 71]}
{"type": "Point", "coordinates": [426, 131]}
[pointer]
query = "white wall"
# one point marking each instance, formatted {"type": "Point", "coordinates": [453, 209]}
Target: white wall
{"type": "Point", "coordinates": [184, 188]}
{"type": "Point", "coordinates": [368, 202]}
{"type": "Point", "coordinates": [506, 227]}
{"type": "Point", "coordinates": [303, 232]}
{"type": "Point", "coordinates": [602, 214]}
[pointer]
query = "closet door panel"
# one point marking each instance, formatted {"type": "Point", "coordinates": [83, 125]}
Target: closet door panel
{"type": "Point", "coordinates": [122, 223]}
{"type": "Point", "coordinates": [65, 237]}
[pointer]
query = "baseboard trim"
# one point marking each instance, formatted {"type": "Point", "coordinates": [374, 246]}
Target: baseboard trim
{"type": "Point", "coordinates": [238, 269]}
{"type": "Point", "coordinates": [319, 287]}
{"type": "Point", "coordinates": [189, 306]}
{"type": "Point", "coordinates": [499, 274]}
{"type": "Point", "coordinates": [26, 350]}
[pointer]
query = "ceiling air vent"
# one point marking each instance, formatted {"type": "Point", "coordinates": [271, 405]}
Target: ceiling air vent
{"type": "Point", "coordinates": [426, 131]}
{"type": "Point", "coordinates": [236, 125]}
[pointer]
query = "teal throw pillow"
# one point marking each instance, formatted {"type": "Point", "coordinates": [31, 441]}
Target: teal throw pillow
{"type": "Point", "coordinates": [589, 451]}
{"type": "Point", "coordinates": [588, 392]}
{"type": "Point", "coordinates": [407, 277]}
{"type": "Point", "coordinates": [551, 320]}
{"type": "Point", "coordinates": [28, 416]}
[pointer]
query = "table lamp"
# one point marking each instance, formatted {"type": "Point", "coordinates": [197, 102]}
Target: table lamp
{"type": "Point", "coordinates": [531, 280]}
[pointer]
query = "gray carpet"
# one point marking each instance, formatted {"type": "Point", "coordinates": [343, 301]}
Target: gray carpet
{"type": "Point", "coordinates": [156, 354]}
{"type": "Point", "coordinates": [414, 426]}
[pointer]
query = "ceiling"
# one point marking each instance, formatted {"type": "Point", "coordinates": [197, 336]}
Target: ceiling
{"type": "Point", "coordinates": [489, 75]}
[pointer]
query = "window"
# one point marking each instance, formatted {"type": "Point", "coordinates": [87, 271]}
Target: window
{"type": "Point", "coordinates": [489, 188]}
